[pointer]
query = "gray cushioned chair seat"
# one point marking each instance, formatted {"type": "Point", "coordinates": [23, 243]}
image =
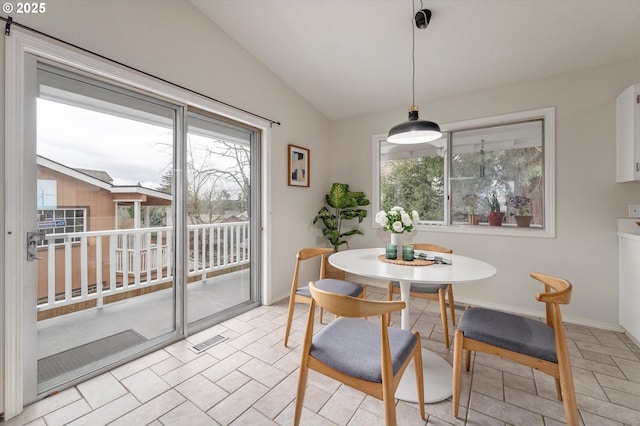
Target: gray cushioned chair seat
{"type": "Point", "coordinates": [515, 333]}
{"type": "Point", "coordinates": [334, 286]}
{"type": "Point", "coordinates": [423, 288]}
{"type": "Point", "coordinates": [352, 346]}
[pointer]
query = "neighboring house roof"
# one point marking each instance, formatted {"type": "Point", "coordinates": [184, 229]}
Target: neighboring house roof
{"type": "Point", "coordinates": [104, 181]}
{"type": "Point", "coordinates": [98, 174]}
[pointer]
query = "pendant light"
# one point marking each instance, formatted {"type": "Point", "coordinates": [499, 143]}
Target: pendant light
{"type": "Point", "coordinates": [415, 130]}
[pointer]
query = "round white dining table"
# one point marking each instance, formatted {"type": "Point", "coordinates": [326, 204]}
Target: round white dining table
{"type": "Point", "coordinates": [364, 262]}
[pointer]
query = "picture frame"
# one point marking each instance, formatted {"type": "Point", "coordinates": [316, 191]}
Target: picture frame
{"type": "Point", "coordinates": [298, 166]}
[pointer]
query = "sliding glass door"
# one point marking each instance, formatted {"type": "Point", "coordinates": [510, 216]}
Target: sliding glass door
{"type": "Point", "coordinates": [104, 234]}
{"type": "Point", "coordinates": [219, 163]}
{"type": "Point", "coordinates": [141, 219]}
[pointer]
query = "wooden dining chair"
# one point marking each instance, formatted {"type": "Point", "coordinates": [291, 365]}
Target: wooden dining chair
{"type": "Point", "coordinates": [437, 292]}
{"type": "Point", "coordinates": [303, 295]}
{"type": "Point", "coordinates": [359, 353]}
{"type": "Point", "coordinates": [527, 341]}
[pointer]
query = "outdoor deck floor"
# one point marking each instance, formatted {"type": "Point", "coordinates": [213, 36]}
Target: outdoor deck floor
{"type": "Point", "coordinates": [149, 315]}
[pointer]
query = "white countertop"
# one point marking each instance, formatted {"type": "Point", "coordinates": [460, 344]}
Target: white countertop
{"type": "Point", "coordinates": [629, 236]}
{"type": "Point", "coordinates": [628, 225]}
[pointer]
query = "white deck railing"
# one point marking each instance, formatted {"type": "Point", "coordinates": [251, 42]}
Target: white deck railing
{"type": "Point", "coordinates": [103, 263]}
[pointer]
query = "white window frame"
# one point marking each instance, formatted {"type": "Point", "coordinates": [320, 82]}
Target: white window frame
{"type": "Point", "coordinates": [549, 229]}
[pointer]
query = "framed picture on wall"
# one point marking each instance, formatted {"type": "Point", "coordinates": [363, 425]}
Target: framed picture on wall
{"type": "Point", "coordinates": [298, 160]}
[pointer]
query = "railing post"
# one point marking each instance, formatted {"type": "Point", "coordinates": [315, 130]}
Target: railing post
{"type": "Point", "coordinates": [148, 264]}
{"type": "Point", "coordinates": [99, 300]}
{"type": "Point", "coordinates": [84, 270]}
{"type": "Point", "coordinates": [51, 278]}
{"type": "Point", "coordinates": [68, 278]}
{"type": "Point", "coordinates": [113, 262]}
{"type": "Point", "coordinates": [125, 262]}
{"type": "Point", "coordinates": [203, 256]}
{"type": "Point", "coordinates": [136, 259]}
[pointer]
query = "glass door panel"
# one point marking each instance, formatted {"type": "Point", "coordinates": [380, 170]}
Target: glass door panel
{"type": "Point", "coordinates": [219, 217]}
{"type": "Point", "coordinates": [104, 219]}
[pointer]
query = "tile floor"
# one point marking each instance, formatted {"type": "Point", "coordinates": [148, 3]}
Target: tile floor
{"type": "Point", "coordinates": [250, 379]}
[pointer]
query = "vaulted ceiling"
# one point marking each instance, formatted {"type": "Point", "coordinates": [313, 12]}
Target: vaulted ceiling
{"type": "Point", "coordinates": [351, 57]}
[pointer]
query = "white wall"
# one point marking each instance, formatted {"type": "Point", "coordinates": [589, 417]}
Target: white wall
{"type": "Point", "coordinates": [588, 199]}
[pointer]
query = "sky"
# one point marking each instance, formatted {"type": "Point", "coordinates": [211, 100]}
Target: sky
{"type": "Point", "coordinates": [131, 152]}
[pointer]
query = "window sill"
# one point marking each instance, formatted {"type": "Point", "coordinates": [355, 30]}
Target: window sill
{"type": "Point", "coordinates": [505, 230]}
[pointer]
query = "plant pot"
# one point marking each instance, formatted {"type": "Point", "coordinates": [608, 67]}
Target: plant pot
{"type": "Point", "coordinates": [474, 219]}
{"type": "Point", "coordinates": [495, 218]}
{"type": "Point", "coordinates": [523, 221]}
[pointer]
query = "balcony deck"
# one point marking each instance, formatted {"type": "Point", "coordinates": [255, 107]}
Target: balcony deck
{"type": "Point", "coordinates": [148, 315]}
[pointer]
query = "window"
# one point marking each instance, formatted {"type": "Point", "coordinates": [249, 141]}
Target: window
{"type": "Point", "coordinates": [60, 221]}
{"type": "Point", "coordinates": [449, 182]}
{"type": "Point", "coordinates": [413, 176]}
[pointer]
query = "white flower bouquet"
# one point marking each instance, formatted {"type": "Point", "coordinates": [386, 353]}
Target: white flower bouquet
{"type": "Point", "coordinates": [397, 220]}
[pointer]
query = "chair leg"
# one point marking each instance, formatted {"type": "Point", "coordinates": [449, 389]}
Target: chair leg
{"type": "Point", "coordinates": [321, 312]}
{"type": "Point", "coordinates": [417, 361]}
{"type": "Point", "coordinates": [302, 385]}
{"type": "Point", "coordinates": [389, 402]}
{"type": "Point", "coordinates": [443, 316]}
{"type": "Point", "coordinates": [289, 320]}
{"type": "Point", "coordinates": [451, 303]}
{"type": "Point", "coordinates": [568, 393]}
{"type": "Point", "coordinates": [458, 343]}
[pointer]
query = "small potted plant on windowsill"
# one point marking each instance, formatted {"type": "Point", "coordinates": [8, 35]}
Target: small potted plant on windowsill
{"type": "Point", "coordinates": [471, 202]}
{"type": "Point", "coordinates": [520, 210]}
{"type": "Point", "coordinates": [494, 214]}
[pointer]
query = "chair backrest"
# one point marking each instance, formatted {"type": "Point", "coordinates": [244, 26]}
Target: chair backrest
{"type": "Point", "coordinates": [352, 307]}
{"type": "Point", "coordinates": [561, 295]}
{"type": "Point", "coordinates": [431, 247]}
{"type": "Point", "coordinates": [308, 253]}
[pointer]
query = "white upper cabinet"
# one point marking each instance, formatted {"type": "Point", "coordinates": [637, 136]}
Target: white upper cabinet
{"type": "Point", "coordinates": [628, 134]}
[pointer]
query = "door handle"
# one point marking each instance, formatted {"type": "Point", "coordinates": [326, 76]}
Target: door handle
{"type": "Point", "coordinates": [32, 243]}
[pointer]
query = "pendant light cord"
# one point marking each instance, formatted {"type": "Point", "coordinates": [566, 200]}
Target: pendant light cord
{"type": "Point", "coordinates": [413, 55]}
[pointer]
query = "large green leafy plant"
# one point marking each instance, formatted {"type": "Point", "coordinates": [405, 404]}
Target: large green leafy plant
{"type": "Point", "coordinates": [343, 205]}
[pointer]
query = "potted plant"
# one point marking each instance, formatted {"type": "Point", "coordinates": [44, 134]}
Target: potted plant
{"type": "Point", "coordinates": [492, 205]}
{"type": "Point", "coordinates": [471, 202]}
{"type": "Point", "coordinates": [345, 205]}
{"type": "Point", "coordinates": [520, 210]}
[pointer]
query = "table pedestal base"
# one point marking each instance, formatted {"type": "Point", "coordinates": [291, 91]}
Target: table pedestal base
{"type": "Point", "coordinates": [437, 380]}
